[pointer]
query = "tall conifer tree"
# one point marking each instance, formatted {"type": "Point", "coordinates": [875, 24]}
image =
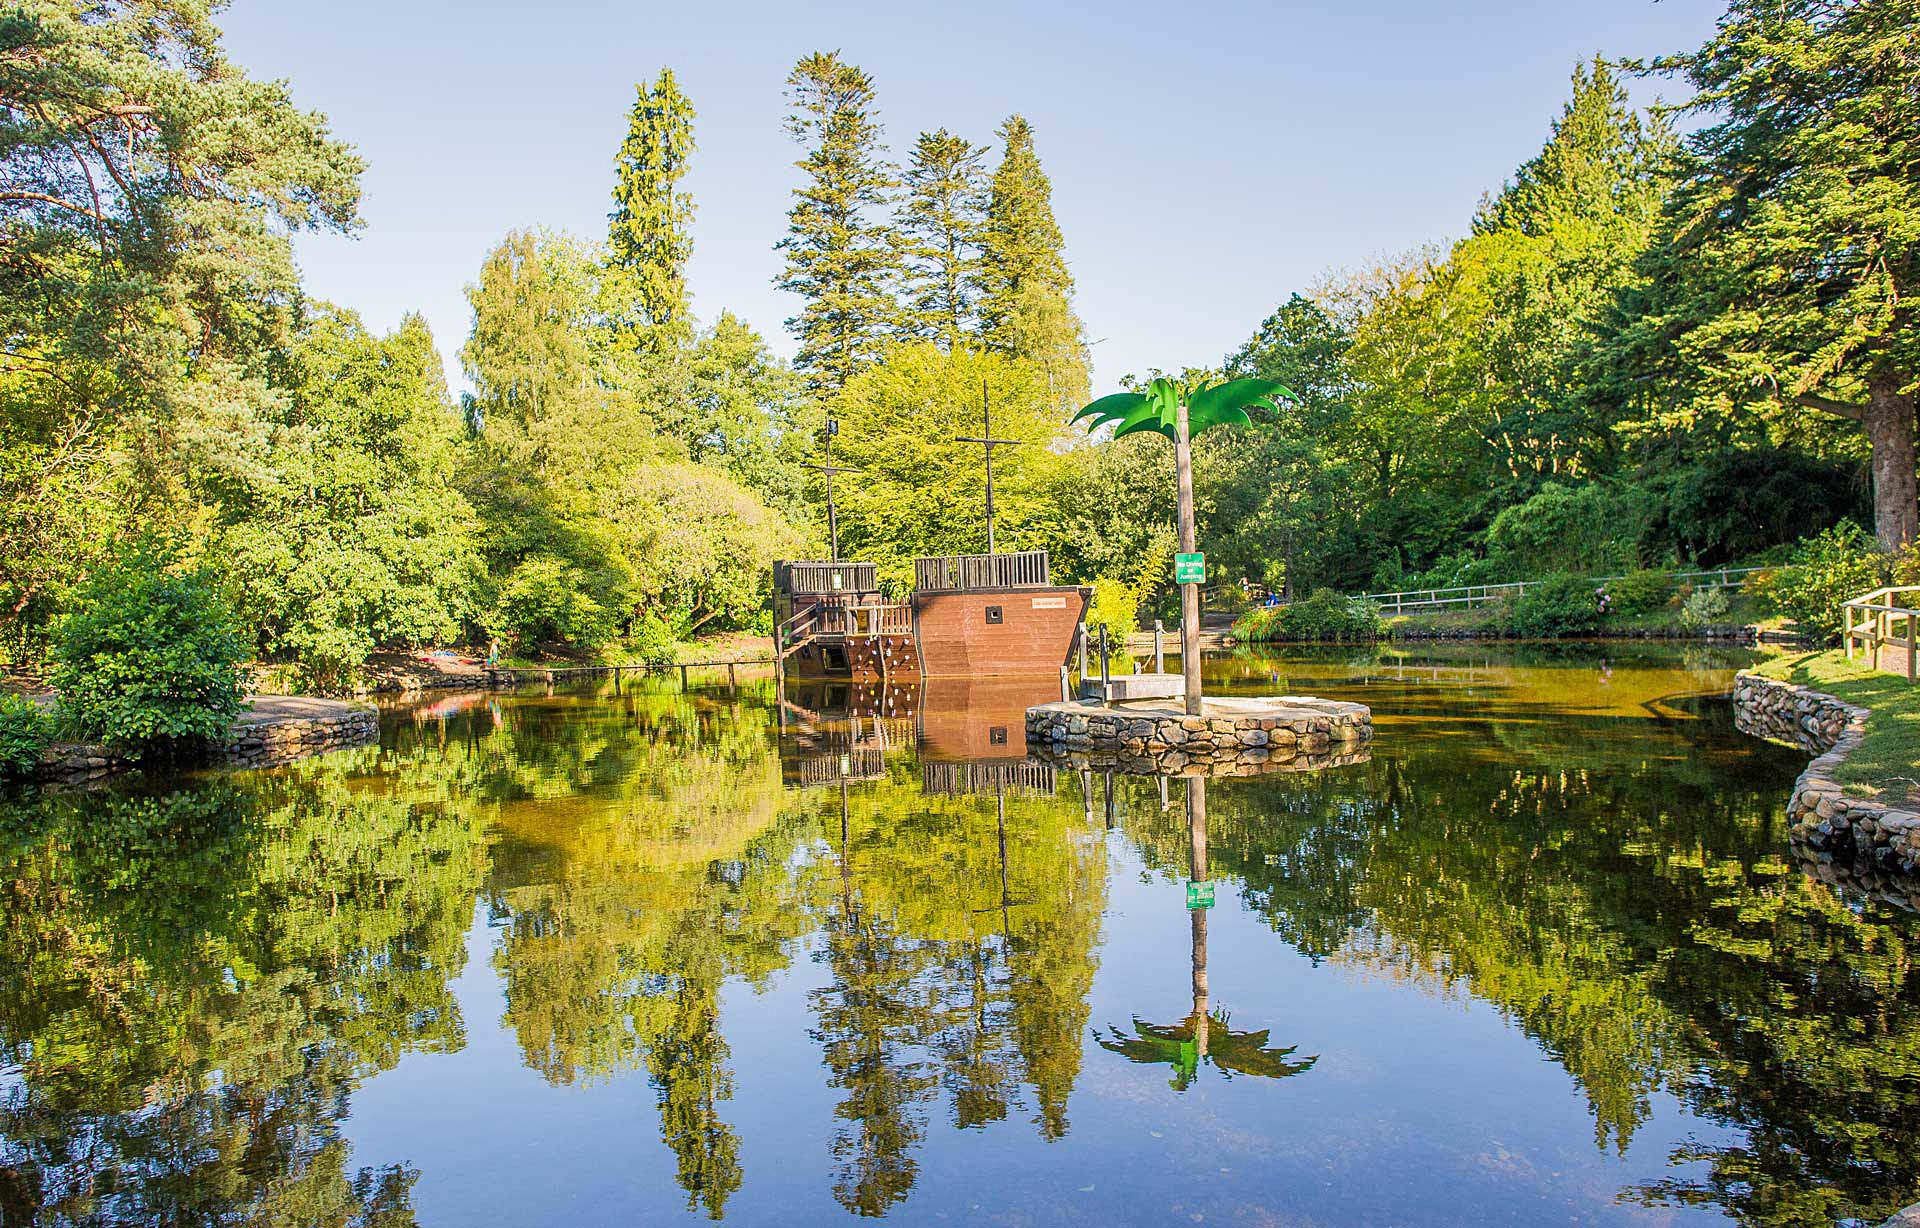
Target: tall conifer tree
{"type": "Point", "coordinates": [941, 224]}
{"type": "Point", "coordinates": [1026, 293]}
{"type": "Point", "coordinates": [843, 256]}
{"type": "Point", "coordinates": [648, 238]}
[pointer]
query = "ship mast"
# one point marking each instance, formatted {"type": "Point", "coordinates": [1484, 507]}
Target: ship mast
{"type": "Point", "coordinates": [833, 519]}
{"type": "Point", "coordinates": [987, 441]}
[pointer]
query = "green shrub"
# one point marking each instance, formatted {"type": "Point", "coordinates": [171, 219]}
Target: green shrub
{"type": "Point", "coordinates": [1828, 570]}
{"type": "Point", "coordinates": [25, 730]}
{"type": "Point", "coordinates": [1703, 608]}
{"type": "Point", "coordinates": [652, 642]}
{"type": "Point", "coordinates": [1114, 607]}
{"type": "Point", "coordinates": [149, 654]}
{"type": "Point", "coordinates": [1732, 505]}
{"type": "Point", "coordinates": [1327, 616]}
{"type": "Point", "coordinates": [547, 600]}
{"type": "Point", "coordinates": [1557, 606]}
{"type": "Point", "coordinates": [1640, 592]}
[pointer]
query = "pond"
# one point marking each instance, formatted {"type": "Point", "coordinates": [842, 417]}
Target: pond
{"type": "Point", "coordinates": [620, 955]}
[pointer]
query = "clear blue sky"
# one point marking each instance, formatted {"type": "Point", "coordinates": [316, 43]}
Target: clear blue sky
{"type": "Point", "coordinates": [1207, 159]}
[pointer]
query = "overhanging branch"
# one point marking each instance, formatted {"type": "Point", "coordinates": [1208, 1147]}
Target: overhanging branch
{"type": "Point", "coordinates": [1827, 405]}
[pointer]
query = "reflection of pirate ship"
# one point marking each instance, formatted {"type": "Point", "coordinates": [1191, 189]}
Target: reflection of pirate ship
{"type": "Point", "coordinates": [971, 732]}
{"type": "Point", "coordinates": [837, 731]}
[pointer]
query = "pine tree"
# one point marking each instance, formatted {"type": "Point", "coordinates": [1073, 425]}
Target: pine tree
{"type": "Point", "coordinates": [1782, 285]}
{"type": "Point", "coordinates": [843, 261]}
{"type": "Point", "coordinates": [941, 224]}
{"type": "Point", "coordinates": [648, 242]}
{"type": "Point", "coordinates": [1026, 293]}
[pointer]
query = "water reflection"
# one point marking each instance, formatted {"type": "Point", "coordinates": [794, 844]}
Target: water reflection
{"type": "Point", "coordinates": [1204, 1036]}
{"type": "Point", "coordinates": [918, 927]}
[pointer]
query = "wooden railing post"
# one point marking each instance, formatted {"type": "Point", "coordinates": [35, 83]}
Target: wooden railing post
{"type": "Point", "coordinates": [1913, 645]}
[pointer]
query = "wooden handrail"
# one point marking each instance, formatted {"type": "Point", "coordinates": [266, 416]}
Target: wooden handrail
{"type": "Point", "coordinates": [1875, 632]}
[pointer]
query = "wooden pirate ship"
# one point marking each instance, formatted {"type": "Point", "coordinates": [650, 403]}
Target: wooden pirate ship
{"type": "Point", "coordinates": [969, 616]}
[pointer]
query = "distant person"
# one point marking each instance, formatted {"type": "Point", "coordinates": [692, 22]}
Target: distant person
{"type": "Point", "coordinates": [493, 652]}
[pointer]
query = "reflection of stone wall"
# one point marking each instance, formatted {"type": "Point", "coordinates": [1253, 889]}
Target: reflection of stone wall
{"type": "Point", "coordinates": [253, 744]}
{"type": "Point", "coordinates": [1167, 742]}
{"type": "Point", "coordinates": [1877, 845]}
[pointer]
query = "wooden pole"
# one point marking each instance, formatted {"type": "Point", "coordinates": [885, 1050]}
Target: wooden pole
{"type": "Point", "coordinates": [1197, 834]}
{"type": "Point", "coordinates": [986, 429]}
{"type": "Point", "coordinates": [1189, 593]}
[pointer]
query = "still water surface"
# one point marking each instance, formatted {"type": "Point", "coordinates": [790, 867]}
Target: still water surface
{"type": "Point", "coordinates": [637, 957]}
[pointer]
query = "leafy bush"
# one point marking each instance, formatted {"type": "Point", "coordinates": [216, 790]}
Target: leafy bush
{"type": "Point", "coordinates": [150, 653]}
{"type": "Point", "coordinates": [1324, 616]}
{"type": "Point", "coordinates": [1732, 505]}
{"type": "Point", "coordinates": [1828, 570]}
{"type": "Point", "coordinates": [547, 600]}
{"type": "Point", "coordinates": [1114, 607]}
{"type": "Point", "coordinates": [1557, 606]}
{"type": "Point", "coordinates": [1640, 592]}
{"type": "Point", "coordinates": [25, 730]}
{"type": "Point", "coordinates": [1462, 569]}
{"type": "Point", "coordinates": [652, 642]}
{"type": "Point", "coordinates": [1703, 608]}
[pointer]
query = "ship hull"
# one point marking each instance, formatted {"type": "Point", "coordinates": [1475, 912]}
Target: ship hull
{"type": "Point", "coordinates": [988, 633]}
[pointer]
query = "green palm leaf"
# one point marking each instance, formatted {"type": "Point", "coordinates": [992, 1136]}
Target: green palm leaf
{"type": "Point", "coordinates": [1226, 403]}
{"type": "Point", "coordinates": [1109, 408]}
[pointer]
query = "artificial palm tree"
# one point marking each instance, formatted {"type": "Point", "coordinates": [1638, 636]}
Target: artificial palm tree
{"type": "Point", "coordinates": [1181, 409]}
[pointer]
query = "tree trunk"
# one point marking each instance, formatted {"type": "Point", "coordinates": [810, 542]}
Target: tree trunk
{"type": "Point", "coordinates": [1189, 593]}
{"type": "Point", "coordinates": [1889, 423]}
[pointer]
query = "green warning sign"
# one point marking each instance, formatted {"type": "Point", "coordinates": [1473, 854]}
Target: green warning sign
{"type": "Point", "coordinates": [1189, 569]}
{"type": "Point", "coordinates": [1199, 895]}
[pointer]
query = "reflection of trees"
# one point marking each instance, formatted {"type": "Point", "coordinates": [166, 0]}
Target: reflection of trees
{"type": "Point", "coordinates": [1625, 895]}
{"type": "Point", "coordinates": [960, 935]}
{"type": "Point", "coordinates": [192, 984]}
{"type": "Point", "coordinates": [644, 862]}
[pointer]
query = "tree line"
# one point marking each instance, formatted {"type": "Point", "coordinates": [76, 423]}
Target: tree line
{"type": "Point", "coordinates": [1649, 347]}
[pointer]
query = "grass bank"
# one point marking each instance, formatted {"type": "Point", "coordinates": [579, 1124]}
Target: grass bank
{"type": "Point", "coordinates": [1887, 764]}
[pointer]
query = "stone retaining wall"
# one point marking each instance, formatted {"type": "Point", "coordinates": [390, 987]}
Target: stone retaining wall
{"type": "Point", "coordinates": [263, 743]}
{"type": "Point", "coordinates": [252, 744]}
{"type": "Point", "coordinates": [1169, 743]}
{"type": "Point", "coordinates": [1878, 845]}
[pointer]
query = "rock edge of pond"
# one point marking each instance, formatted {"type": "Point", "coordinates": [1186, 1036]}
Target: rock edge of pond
{"type": "Point", "coordinates": [1851, 841]}
{"type": "Point", "coordinates": [272, 729]}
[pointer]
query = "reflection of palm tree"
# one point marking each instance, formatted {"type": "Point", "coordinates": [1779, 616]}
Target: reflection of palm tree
{"type": "Point", "coordinates": [1204, 1037]}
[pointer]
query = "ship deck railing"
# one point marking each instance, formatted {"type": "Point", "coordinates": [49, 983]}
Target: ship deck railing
{"type": "Point", "coordinates": [813, 579]}
{"type": "Point", "coordinates": [962, 573]}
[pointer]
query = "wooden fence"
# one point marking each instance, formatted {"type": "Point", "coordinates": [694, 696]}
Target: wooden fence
{"type": "Point", "coordinates": [1482, 594]}
{"type": "Point", "coordinates": [1870, 623]}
